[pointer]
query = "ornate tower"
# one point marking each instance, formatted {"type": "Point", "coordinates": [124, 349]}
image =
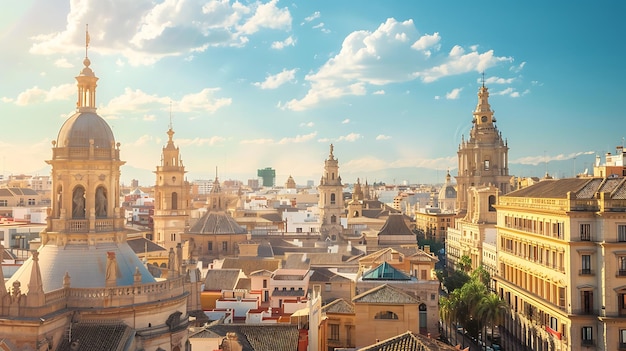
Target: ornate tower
{"type": "Point", "coordinates": [172, 191]}
{"type": "Point", "coordinates": [331, 199]}
{"type": "Point", "coordinates": [483, 159]}
{"type": "Point", "coordinates": [84, 276]}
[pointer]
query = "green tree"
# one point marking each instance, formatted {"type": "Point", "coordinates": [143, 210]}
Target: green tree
{"type": "Point", "coordinates": [455, 280]}
{"type": "Point", "coordinates": [465, 263]}
{"type": "Point", "coordinates": [482, 275]}
{"type": "Point", "coordinates": [445, 313]}
{"type": "Point", "coordinates": [470, 296]}
{"type": "Point", "coordinates": [490, 311]}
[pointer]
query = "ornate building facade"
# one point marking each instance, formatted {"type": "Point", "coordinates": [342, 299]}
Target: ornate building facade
{"type": "Point", "coordinates": [85, 281]}
{"type": "Point", "coordinates": [483, 158]}
{"type": "Point", "coordinates": [172, 192]}
{"type": "Point", "coordinates": [331, 204]}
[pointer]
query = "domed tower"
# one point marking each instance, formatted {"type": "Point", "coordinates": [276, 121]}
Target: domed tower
{"type": "Point", "coordinates": [331, 199]}
{"type": "Point", "coordinates": [483, 159]}
{"type": "Point", "coordinates": [172, 191]}
{"type": "Point", "coordinates": [85, 276]}
{"type": "Point", "coordinates": [447, 195]}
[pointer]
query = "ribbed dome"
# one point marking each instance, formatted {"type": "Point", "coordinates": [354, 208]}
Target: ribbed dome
{"type": "Point", "coordinates": [447, 192]}
{"type": "Point", "coordinates": [82, 127]}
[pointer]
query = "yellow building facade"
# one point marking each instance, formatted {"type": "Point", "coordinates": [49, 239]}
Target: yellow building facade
{"type": "Point", "coordinates": [562, 264]}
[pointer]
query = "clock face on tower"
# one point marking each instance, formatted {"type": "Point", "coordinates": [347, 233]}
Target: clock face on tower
{"type": "Point", "coordinates": [483, 119]}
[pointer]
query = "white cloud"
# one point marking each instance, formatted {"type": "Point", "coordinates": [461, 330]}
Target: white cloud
{"type": "Point", "coordinates": [383, 137]}
{"type": "Point", "coordinates": [202, 101]}
{"type": "Point", "coordinates": [267, 16]}
{"type": "Point", "coordinates": [275, 81]}
{"type": "Point", "coordinates": [369, 164]}
{"type": "Point", "coordinates": [37, 95]}
{"type": "Point", "coordinates": [314, 16]}
{"type": "Point", "coordinates": [279, 45]}
{"type": "Point", "coordinates": [308, 124]}
{"type": "Point", "coordinates": [345, 121]}
{"type": "Point", "coordinates": [63, 63]}
{"type": "Point", "coordinates": [143, 140]}
{"type": "Point", "coordinates": [454, 94]}
{"type": "Point", "coordinates": [298, 139]}
{"type": "Point", "coordinates": [149, 118]}
{"type": "Point", "coordinates": [498, 80]}
{"type": "Point", "coordinates": [319, 25]}
{"type": "Point", "coordinates": [535, 160]}
{"type": "Point", "coordinates": [156, 30]}
{"type": "Point", "coordinates": [350, 137]}
{"type": "Point", "coordinates": [258, 141]}
{"type": "Point", "coordinates": [394, 52]}
{"type": "Point", "coordinates": [379, 92]}
{"type": "Point", "coordinates": [426, 42]}
{"type": "Point", "coordinates": [517, 68]}
{"type": "Point", "coordinates": [201, 141]}
{"type": "Point", "coordinates": [139, 101]}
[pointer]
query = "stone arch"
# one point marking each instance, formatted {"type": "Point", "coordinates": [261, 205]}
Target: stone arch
{"type": "Point", "coordinates": [423, 317]}
{"type": "Point", "coordinates": [78, 202]}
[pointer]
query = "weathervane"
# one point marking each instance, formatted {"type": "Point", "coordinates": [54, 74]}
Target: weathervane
{"type": "Point", "coordinates": [86, 38]}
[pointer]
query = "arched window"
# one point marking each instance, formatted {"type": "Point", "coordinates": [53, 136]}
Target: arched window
{"type": "Point", "coordinates": [355, 214]}
{"type": "Point", "coordinates": [492, 201]}
{"type": "Point", "coordinates": [333, 219]}
{"type": "Point", "coordinates": [385, 315]}
{"type": "Point", "coordinates": [332, 198]}
{"type": "Point", "coordinates": [78, 202]}
{"type": "Point", "coordinates": [101, 202]}
{"type": "Point", "coordinates": [423, 318]}
{"type": "Point", "coordinates": [174, 201]}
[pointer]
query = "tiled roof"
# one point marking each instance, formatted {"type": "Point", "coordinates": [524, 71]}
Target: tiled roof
{"type": "Point", "coordinates": [385, 271]}
{"type": "Point", "coordinates": [261, 337]}
{"type": "Point", "coordinates": [141, 245]}
{"type": "Point", "coordinates": [221, 279]}
{"type": "Point", "coordinates": [251, 264]}
{"type": "Point", "coordinates": [408, 342]}
{"type": "Point", "coordinates": [217, 222]}
{"type": "Point", "coordinates": [386, 294]}
{"type": "Point", "coordinates": [338, 306]}
{"type": "Point", "coordinates": [395, 225]}
{"type": "Point", "coordinates": [93, 336]}
{"type": "Point", "coordinates": [23, 191]}
{"type": "Point", "coordinates": [581, 188]}
{"type": "Point", "coordinates": [297, 261]}
{"type": "Point", "coordinates": [551, 188]}
{"type": "Point", "coordinates": [272, 217]}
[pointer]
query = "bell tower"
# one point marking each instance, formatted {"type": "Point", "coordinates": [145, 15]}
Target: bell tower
{"type": "Point", "coordinates": [172, 191]}
{"type": "Point", "coordinates": [483, 159]}
{"type": "Point", "coordinates": [331, 199]}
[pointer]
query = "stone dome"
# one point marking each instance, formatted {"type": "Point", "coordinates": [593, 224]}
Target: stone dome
{"type": "Point", "coordinates": [82, 127]}
{"type": "Point", "coordinates": [447, 192]}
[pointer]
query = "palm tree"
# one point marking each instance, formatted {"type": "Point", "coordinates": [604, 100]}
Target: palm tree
{"type": "Point", "coordinates": [445, 306]}
{"type": "Point", "coordinates": [465, 263]}
{"type": "Point", "coordinates": [490, 311]}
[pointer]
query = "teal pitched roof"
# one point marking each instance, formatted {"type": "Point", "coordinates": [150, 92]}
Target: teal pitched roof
{"type": "Point", "coordinates": [385, 271]}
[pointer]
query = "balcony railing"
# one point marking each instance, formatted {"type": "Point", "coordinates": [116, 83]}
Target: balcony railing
{"type": "Point", "coordinates": [588, 342]}
{"type": "Point", "coordinates": [586, 271]}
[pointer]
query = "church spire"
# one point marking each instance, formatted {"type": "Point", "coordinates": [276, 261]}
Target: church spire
{"type": "Point", "coordinates": [86, 83]}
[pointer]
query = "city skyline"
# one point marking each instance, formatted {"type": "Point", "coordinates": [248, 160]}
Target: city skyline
{"type": "Point", "coordinates": [271, 84]}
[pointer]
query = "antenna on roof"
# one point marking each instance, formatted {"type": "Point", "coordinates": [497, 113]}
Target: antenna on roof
{"type": "Point", "coordinates": [483, 81]}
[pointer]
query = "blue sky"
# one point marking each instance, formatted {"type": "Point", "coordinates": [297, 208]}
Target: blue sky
{"type": "Point", "coordinates": [392, 84]}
